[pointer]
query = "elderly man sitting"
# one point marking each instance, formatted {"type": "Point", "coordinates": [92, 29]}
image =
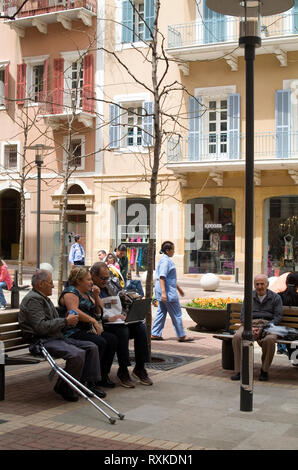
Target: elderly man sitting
{"type": "Point", "coordinates": [266, 305]}
{"type": "Point", "coordinates": [39, 319]}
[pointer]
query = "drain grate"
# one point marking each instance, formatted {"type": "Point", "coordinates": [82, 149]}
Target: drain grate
{"type": "Point", "coordinates": [162, 361]}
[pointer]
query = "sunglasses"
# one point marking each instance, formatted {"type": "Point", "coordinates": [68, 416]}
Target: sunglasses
{"type": "Point", "coordinates": [104, 278]}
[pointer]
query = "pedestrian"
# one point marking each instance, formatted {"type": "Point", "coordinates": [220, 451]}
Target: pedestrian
{"type": "Point", "coordinates": [122, 259]}
{"type": "Point", "coordinates": [166, 292]}
{"type": "Point", "coordinates": [102, 254]}
{"type": "Point", "coordinates": [5, 283]}
{"type": "Point", "coordinates": [77, 253]}
{"type": "Point", "coordinates": [289, 298]}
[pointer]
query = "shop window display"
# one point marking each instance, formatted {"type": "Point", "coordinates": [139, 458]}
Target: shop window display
{"type": "Point", "coordinates": [214, 251]}
{"type": "Point", "coordinates": [282, 239]}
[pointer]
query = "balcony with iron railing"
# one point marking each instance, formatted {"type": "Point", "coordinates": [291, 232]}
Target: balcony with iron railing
{"type": "Point", "coordinates": [40, 13]}
{"type": "Point", "coordinates": [197, 40]}
{"type": "Point", "coordinates": [271, 150]}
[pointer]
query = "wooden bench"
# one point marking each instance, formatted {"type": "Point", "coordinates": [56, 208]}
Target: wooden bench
{"type": "Point", "coordinates": [11, 340]}
{"type": "Point", "coordinates": [15, 290]}
{"type": "Point", "coordinates": [233, 322]}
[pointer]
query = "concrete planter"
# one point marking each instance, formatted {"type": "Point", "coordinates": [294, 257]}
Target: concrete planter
{"type": "Point", "coordinates": [207, 318]}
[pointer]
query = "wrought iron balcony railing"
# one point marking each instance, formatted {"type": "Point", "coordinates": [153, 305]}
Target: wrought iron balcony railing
{"type": "Point", "coordinates": [216, 147]}
{"type": "Point", "coordinates": [210, 31]}
{"type": "Point", "coordinates": [40, 7]}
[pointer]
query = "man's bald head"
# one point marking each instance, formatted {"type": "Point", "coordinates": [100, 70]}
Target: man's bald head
{"type": "Point", "coordinates": [261, 284]}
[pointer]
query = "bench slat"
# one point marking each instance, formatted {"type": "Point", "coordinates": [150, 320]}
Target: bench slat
{"type": "Point", "coordinates": [8, 317]}
{"type": "Point", "coordinates": [13, 342]}
{"type": "Point", "coordinates": [10, 335]}
{"type": "Point", "coordinates": [9, 327]}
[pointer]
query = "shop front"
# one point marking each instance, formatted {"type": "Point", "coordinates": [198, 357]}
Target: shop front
{"type": "Point", "coordinates": [210, 221]}
{"type": "Point", "coordinates": [280, 235]}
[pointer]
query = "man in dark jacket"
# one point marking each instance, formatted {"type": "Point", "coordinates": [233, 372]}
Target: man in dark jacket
{"type": "Point", "coordinates": [38, 319]}
{"type": "Point", "coordinates": [108, 288]}
{"type": "Point", "coordinates": [266, 305]}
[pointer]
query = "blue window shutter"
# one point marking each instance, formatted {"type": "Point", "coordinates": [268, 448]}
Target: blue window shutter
{"type": "Point", "coordinates": [234, 126]}
{"type": "Point", "coordinates": [148, 124]}
{"type": "Point", "coordinates": [295, 19]}
{"type": "Point", "coordinates": [114, 130]}
{"type": "Point", "coordinates": [127, 22]}
{"type": "Point", "coordinates": [194, 127]}
{"type": "Point", "coordinates": [214, 26]}
{"type": "Point", "coordinates": [282, 122]}
{"type": "Point", "coordinates": [149, 18]}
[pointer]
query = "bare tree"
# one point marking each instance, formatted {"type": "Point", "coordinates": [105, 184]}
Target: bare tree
{"type": "Point", "coordinates": [167, 124]}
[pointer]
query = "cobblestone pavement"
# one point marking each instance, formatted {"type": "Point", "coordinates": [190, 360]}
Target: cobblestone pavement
{"type": "Point", "coordinates": [191, 407]}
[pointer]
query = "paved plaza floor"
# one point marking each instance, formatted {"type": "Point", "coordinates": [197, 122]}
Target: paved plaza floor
{"type": "Point", "coordinates": [191, 407]}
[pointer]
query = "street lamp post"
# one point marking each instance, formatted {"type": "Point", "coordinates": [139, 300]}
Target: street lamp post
{"type": "Point", "coordinates": [38, 161]}
{"type": "Point", "coordinates": [249, 11]}
{"type": "Point", "coordinates": [39, 155]}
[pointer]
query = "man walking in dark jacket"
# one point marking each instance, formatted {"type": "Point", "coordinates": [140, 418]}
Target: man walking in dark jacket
{"type": "Point", "coordinates": [266, 305]}
{"type": "Point", "coordinates": [38, 319]}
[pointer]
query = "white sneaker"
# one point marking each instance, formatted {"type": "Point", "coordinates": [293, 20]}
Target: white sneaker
{"type": "Point", "coordinates": [3, 307]}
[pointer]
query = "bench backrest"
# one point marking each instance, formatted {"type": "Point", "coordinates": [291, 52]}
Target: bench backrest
{"type": "Point", "coordinates": [10, 333]}
{"type": "Point", "coordinates": [233, 322]}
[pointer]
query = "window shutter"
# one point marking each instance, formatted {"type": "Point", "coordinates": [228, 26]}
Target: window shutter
{"type": "Point", "coordinates": [214, 26]}
{"type": "Point", "coordinates": [149, 8]}
{"type": "Point", "coordinates": [21, 83]}
{"type": "Point", "coordinates": [234, 126]}
{"type": "Point", "coordinates": [282, 122]}
{"type": "Point", "coordinates": [88, 104]}
{"type": "Point", "coordinates": [194, 126]}
{"type": "Point", "coordinates": [295, 17]}
{"type": "Point", "coordinates": [6, 83]}
{"type": "Point", "coordinates": [114, 130]}
{"type": "Point", "coordinates": [44, 94]}
{"type": "Point", "coordinates": [58, 80]}
{"type": "Point", "coordinates": [148, 124]}
{"type": "Point", "coordinates": [127, 22]}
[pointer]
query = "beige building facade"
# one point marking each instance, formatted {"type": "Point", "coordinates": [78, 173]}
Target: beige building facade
{"type": "Point", "coordinates": [101, 51]}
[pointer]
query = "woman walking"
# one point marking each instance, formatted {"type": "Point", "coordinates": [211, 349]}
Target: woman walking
{"type": "Point", "coordinates": [166, 292]}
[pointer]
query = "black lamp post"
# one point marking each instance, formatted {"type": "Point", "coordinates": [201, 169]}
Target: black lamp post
{"type": "Point", "coordinates": [249, 11]}
{"type": "Point", "coordinates": [39, 148]}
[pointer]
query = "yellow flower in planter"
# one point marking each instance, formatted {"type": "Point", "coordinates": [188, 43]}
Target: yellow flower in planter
{"type": "Point", "coordinates": [212, 303]}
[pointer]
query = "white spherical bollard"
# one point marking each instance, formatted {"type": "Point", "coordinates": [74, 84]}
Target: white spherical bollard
{"type": "Point", "coordinates": [144, 276]}
{"type": "Point", "coordinates": [209, 282]}
{"type": "Point", "coordinates": [47, 267]}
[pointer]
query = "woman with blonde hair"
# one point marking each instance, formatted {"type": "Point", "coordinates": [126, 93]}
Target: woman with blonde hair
{"type": "Point", "coordinates": [82, 297]}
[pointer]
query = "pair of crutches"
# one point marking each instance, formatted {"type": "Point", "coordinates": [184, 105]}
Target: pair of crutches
{"type": "Point", "coordinates": [81, 389]}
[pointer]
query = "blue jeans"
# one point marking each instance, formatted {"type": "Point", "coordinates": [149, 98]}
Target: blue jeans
{"type": "Point", "coordinates": [2, 298]}
{"type": "Point", "coordinates": [174, 310]}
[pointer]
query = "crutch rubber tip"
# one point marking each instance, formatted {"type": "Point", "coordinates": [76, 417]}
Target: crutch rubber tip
{"type": "Point", "coordinates": [112, 420]}
{"type": "Point", "coordinates": [121, 416]}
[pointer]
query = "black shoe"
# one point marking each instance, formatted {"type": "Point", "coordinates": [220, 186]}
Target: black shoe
{"type": "Point", "coordinates": [65, 391]}
{"type": "Point", "coordinates": [236, 376]}
{"type": "Point", "coordinates": [263, 377]}
{"type": "Point", "coordinates": [106, 382]}
{"type": "Point", "coordinates": [96, 390]}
